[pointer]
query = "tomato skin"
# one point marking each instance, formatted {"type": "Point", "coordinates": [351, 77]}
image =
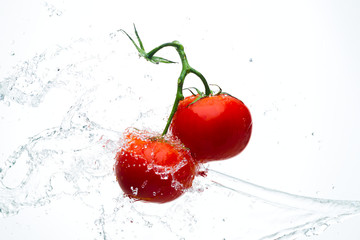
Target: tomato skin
{"type": "Point", "coordinates": [153, 169]}
{"type": "Point", "coordinates": [213, 128]}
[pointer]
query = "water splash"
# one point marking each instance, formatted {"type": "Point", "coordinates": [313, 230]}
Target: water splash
{"type": "Point", "coordinates": [71, 163]}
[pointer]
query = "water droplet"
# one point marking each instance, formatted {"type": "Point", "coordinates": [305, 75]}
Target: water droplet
{"type": "Point", "coordinates": [134, 190]}
{"type": "Point", "coordinates": [112, 35]}
{"type": "Point", "coordinates": [150, 166]}
{"type": "Point", "coordinates": [144, 184]}
{"type": "Point", "coordinates": [164, 176]}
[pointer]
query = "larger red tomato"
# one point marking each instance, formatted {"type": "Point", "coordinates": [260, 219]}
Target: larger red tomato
{"type": "Point", "coordinates": [213, 128]}
{"type": "Point", "coordinates": [154, 169]}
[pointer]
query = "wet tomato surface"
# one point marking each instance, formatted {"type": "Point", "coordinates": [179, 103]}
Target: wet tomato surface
{"type": "Point", "coordinates": [152, 168]}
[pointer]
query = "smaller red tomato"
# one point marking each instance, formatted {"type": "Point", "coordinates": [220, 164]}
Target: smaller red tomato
{"type": "Point", "coordinates": [213, 128]}
{"type": "Point", "coordinates": [151, 168]}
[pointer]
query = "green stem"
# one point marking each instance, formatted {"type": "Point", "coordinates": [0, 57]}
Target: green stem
{"type": "Point", "coordinates": [186, 69]}
{"type": "Point", "coordinates": [206, 85]}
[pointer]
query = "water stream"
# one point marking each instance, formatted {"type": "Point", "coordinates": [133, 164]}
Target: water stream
{"type": "Point", "coordinates": [66, 170]}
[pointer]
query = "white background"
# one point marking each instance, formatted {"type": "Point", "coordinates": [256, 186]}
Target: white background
{"type": "Point", "coordinates": [302, 83]}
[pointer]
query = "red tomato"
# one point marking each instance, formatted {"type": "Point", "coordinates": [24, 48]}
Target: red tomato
{"type": "Point", "coordinates": [213, 128]}
{"type": "Point", "coordinates": [154, 169]}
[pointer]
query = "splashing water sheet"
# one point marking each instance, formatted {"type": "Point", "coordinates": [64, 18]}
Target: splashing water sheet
{"type": "Point", "coordinates": [63, 110]}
